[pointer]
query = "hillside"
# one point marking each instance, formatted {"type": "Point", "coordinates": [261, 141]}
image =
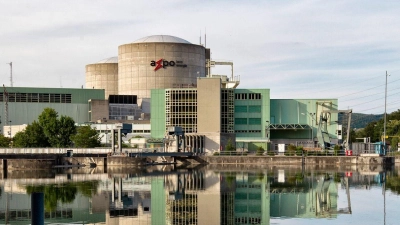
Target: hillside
{"type": "Point", "coordinates": [359, 120]}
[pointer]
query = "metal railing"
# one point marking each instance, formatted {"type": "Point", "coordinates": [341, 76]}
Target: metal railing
{"type": "Point", "coordinates": [33, 151]}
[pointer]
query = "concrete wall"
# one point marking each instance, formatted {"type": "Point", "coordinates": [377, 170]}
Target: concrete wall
{"type": "Point", "coordinates": [208, 105]}
{"type": "Point", "coordinates": [136, 75]}
{"type": "Point", "coordinates": [103, 76]}
{"type": "Point", "coordinates": [98, 110]}
{"type": "Point", "coordinates": [27, 164]}
{"type": "Point", "coordinates": [295, 160]}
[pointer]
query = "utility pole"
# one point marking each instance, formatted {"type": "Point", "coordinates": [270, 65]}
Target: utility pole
{"type": "Point", "coordinates": [384, 126]}
{"type": "Point", "coordinates": [11, 80]}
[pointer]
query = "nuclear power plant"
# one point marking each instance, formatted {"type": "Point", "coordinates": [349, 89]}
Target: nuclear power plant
{"type": "Point", "coordinates": [162, 81]}
{"type": "Point", "coordinates": [154, 62]}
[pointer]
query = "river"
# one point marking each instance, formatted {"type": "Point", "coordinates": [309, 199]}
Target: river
{"type": "Point", "coordinates": [204, 195]}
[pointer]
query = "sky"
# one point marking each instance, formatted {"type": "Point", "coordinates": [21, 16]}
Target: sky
{"type": "Point", "coordinates": [298, 49]}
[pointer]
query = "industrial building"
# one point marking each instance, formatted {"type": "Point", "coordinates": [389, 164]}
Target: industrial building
{"type": "Point", "coordinates": [211, 115]}
{"type": "Point", "coordinates": [165, 81]}
{"type": "Point", "coordinates": [23, 105]}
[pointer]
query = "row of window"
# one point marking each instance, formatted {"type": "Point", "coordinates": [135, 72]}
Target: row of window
{"type": "Point", "coordinates": [250, 108]}
{"type": "Point", "coordinates": [244, 96]}
{"type": "Point", "coordinates": [248, 121]}
{"type": "Point", "coordinates": [37, 97]}
{"type": "Point", "coordinates": [247, 131]}
{"type": "Point", "coordinates": [248, 186]}
{"type": "Point", "coordinates": [246, 220]}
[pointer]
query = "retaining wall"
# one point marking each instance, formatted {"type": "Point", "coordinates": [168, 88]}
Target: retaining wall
{"type": "Point", "coordinates": [298, 160]}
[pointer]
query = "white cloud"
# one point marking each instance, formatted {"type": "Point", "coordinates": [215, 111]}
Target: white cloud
{"type": "Point", "coordinates": [292, 47]}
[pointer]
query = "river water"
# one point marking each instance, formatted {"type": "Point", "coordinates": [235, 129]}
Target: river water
{"type": "Point", "coordinates": [206, 195]}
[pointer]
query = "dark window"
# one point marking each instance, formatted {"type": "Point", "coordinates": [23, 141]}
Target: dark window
{"type": "Point", "coordinates": [122, 99]}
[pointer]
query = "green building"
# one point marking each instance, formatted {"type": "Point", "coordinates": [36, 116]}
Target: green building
{"type": "Point", "coordinates": [22, 105]}
{"type": "Point", "coordinates": [211, 115]}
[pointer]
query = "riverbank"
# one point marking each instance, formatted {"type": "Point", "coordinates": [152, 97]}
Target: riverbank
{"type": "Point", "coordinates": [49, 161]}
{"type": "Point", "coordinates": [368, 159]}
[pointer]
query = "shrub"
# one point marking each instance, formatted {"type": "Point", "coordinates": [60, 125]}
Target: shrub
{"type": "Point", "coordinates": [299, 150]}
{"type": "Point", "coordinates": [260, 150]}
{"type": "Point", "coordinates": [229, 146]}
{"type": "Point", "coordinates": [271, 153]}
{"type": "Point", "coordinates": [336, 149]}
{"type": "Point", "coordinates": [291, 150]}
{"type": "Point", "coordinates": [216, 153]}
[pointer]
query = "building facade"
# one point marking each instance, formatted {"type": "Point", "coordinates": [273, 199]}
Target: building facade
{"type": "Point", "coordinates": [23, 105]}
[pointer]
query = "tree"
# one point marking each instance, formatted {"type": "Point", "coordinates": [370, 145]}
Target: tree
{"type": "Point", "coordinates": [20, 140]}
{"type": "Point", "coordinates": [229, 146]}
{"type": "Point", "coordinates": [32, 136]}
{"type": "Point", "coordinates": [86, 137]}
{"type": "Point", "coordinates": [4, 141]}
{"type": "Point", "coordinates": [57, 131]}
{"type": "Point", "coordinates": [66, 130]}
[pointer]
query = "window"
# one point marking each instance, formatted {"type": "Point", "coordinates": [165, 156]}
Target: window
{"type": "Point", "coordinates": [240, 121]}
{"type": "Point", "coordinates": [255, 108]}
{"type": "Point", "coordinates": [255, 121]}
{"type": "Point", "coordinates": [240, 108]}
{"type": "Point", "coordinates": [241, 96]}
{"type": "Point", "coordinates": [254, 96]}
{"type": "Point", "coordinates": [37, 97]}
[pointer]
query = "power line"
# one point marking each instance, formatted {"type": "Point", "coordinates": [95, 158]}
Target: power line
{"type": "Point", "coordinates": [373, 100]}
{"type": "Point", "coordinates": [341, 86]}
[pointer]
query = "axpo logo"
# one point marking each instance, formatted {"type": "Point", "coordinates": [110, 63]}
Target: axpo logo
{"type": "Point", "coordinates": [162, 63]}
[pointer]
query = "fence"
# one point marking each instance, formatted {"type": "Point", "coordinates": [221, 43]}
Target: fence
{"type": "Point", "coordinates": [33, 151]}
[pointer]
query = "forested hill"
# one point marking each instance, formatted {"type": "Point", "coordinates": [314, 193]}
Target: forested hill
{"type": "Point", "coordinates": [359, 120]}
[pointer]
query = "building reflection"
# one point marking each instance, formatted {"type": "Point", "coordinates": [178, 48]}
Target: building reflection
{"type": "Point", "coordinates": [184, 197]}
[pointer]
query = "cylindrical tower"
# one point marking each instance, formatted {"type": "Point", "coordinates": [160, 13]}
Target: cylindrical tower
{"type": "Point", "coordinates": [103, 75]}
{"type": "Point", "coordinates": [157, 62]}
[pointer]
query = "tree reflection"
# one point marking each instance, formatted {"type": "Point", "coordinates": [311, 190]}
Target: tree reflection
{"type": "Point", "coordinates": [393, 184]}
{"type": "Point", "coordinates": [65, 193]}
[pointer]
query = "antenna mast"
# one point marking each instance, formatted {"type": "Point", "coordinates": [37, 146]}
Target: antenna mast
{"type": "Point", "coordinates": [200, 37]}
{"type": "Point", "coordinates": [205, 37]}
{"type": "Point", "coordinates": [11, 80]}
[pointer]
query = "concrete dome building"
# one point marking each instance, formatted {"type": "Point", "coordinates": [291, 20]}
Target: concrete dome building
{"type": "Point", "coordinates": [103, 75]}
{"type": "Point", "coordinates": [157, 62]}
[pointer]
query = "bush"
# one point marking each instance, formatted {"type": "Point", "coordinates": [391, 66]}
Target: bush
{"type": "Point", "coordinates": [291, 150]}
{"type": "Point", "coordinates": [271, 153]}
{"type": "Point", "coordinates": [216, 153]}
{"type": "Point", "coordinates": [299, 150]}
{"type": "Point", "coordinates": [260, 151]}
{"type": "Point", "coordinates": [336, 149]}
{"type": "Point", "coordinates": [229, 146]}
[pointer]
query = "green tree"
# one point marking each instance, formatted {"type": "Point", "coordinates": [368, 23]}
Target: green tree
{"type": "Point", "coordinates": [20, 140]}
{"type": "Point", "coordinates": [67, 128]}
{"type": "Point", "coordinates": [32, 136]}
{"type": "Point", "coordinates": [86, 137]}
{"type": "Point", "coordinates": [4, 141]}
{"type": "Point", "coordinates": [229, 146]}
{"type": "Point", "coordinates": [57, 131]}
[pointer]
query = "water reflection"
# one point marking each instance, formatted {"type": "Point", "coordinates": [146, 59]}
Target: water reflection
{"type": "Point", "coordinates": [164, 195]}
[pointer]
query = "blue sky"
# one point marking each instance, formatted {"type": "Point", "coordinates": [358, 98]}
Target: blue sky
{"type": "Point", "coordinates": [299, 49]}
